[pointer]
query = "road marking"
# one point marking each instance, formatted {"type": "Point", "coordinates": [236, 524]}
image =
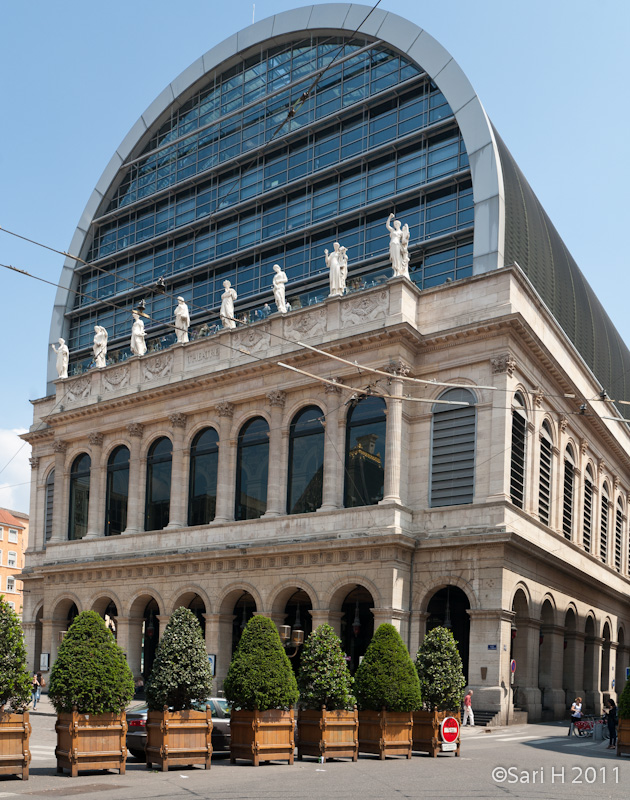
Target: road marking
{"type": "Point", "coordinates": [514, 738]}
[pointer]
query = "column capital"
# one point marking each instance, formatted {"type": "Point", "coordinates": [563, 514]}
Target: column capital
{"type": "Point", "coordinates": [177, 420]}
{"type": "Point", "coordinates": [503, 364]}
{"type": "Point", "coordinates": [34, 462]}
{"type": "Point", "coordinates": [95, 439]}
{"type": "Point", "coordinates": [59, 446]}
{"type": "Point", "coordinates": [330, 388]}
{"type": "Point", "coordinates": [135, 429]}
{"type": "Point", "coordinates": [397, 368]}
{"type": "Point", "coordinates": [277, 398]}
{"type": "Point", "coordinates": [225, 409]}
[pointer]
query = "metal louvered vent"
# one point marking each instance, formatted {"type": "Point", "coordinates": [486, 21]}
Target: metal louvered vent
{"type": "Point", "coordinates": [567, 501]}
{"type": "Point", "coordinates": [618, 535]}
{"type": "Point", "coordinates": [517, 465]}
{"type": "Point", "coordinates": [544, 480]}
{"type": "Point", "coordinates": [603, 531]}
{"type": "Point", "coordinates": [588, 515]}
{"type": "Point", "coordinates": [453, 452]}
{"type": "Point", "coordinates": [50, 495]}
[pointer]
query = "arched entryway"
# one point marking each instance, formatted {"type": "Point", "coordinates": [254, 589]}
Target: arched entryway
{"type": "Point", "coordinates": [196, 604]}
{"type": "Point", "coordinates": [150, 637]}
{"type": "Point", "coordinates": [107, 608]}
{"type": "Point", "coordinates": [448, 608]}
{"type": "Point", "coordinates": [591, 668]}
{"type": "Point", "coordinates": [604, 680]}
{"type": "Point", "coordinates": [525, 634]}
{"type": "Point", "coordinates": [244, 610]}
{"type": "Point", "coordinates": [620, 663]}
{"type": "Point", "coordinates": [297, 615]}
{"type": "Point", "coordinates": [62, 618]}
{"type": "Point", "coordinates": [573, 659]}
{"type": "Point", "coordinates": [356, 625]}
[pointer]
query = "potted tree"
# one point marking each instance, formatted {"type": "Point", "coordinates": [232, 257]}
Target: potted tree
{"type": "Point", "coordinates": [179, 732]}
{"type": "Point", "coordinates": [623, 712]}
{"type": "Point", "coordinates": [442, 685]}
{"type": "Point", "coordinates": [388, 692]}
{"type": "Point", "coordinates": [261, 688]}
{"type": "Point", "coordinates": [328, 720]}
{"type": "Point", "coordinates": [15, 693]}
{"type": "Point", "coordinates": [90, 687]}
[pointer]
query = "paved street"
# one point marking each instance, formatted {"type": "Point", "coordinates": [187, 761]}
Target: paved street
{"type": "Point", "coordinates": [539, 761]}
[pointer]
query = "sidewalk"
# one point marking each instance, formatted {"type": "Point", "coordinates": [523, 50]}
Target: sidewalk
{"type": "Point", "coordinates": [44, 707]}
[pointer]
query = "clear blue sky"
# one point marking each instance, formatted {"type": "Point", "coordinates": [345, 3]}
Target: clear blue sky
{"type": "Point", "coordinates": [75, 76]}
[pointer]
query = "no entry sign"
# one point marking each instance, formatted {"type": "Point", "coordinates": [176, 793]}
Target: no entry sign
{"type": "Point", "coordinates": [449, 730]}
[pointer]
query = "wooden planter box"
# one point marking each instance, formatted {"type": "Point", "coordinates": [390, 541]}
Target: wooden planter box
{"type": "Point", "coordinates": [91, 741]}
{"type": "Point", "coordinates": [262, 736]}
{"type": "Point", "coordinates": [179, 738]}
{"type": "Point", "coordinates": [386, 733]}
{"type": "Point", "coordinates": [15, 756]}
{"type": "Point", "coordinates": [426, 731]}
{"type": "Point", "coordinates": [623, 737]}
{"type": "Point", "coordinates": [328, 734]}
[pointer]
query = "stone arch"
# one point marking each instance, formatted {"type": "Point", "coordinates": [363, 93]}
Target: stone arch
{"type": "Point", "coordinates": [548, 609]}
{"type": "Point", "coordinates": [151, 438]}
{"type": "Point", "coordinates": [230, 594]}
{"type": "Point", "coordinates": [521, 602]}
{"type": "Point", "coordinates": [621, 660]}
{"type": "Point", "coordinates": [298, 405]}
{"type": "Point", "coordinates": [137, 601]}
{"type": "Point", "coordinates": [108, 449]}
{"type": "Point", "coordinates": [422, 597]}
{"type": "Point", "coordinates": [604, 683]}
{"type": "Point", "coordinates": [241, 419]}
{"type": "Point", "coordinates": [183, 595]}
{"type": "Point", "coordinates": [197, 428]}
{"type": "Point", "coordinates": [550, 659]}
{"type": "Point", "coordinates": [336, 593]}
{"type": "Point", "coordinates": [102, 600]}
{"type": "Point", "coordinates": [281, 593]}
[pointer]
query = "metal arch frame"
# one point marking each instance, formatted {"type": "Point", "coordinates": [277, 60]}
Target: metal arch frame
{"type": "Point", "coordinates": [395, 31]}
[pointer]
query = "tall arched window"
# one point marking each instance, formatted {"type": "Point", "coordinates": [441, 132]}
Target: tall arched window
{"type": "Point", "coordinates": [252, 469]}
{"type": "Point", "coordinates": [453, 450]}
{"type": "Point", "coordinates": [365, 452]}
{"type": "Point", "coordinates": [79, 496]}
{"type": "Point", "coordinates": [567, 495]}
{"type": "Point", "coordinates": [204, 463]}
{"type": "Point", "coordinates": [618, 534]}
{"type": "Point", "coordinates": [587, 533]}
{"type": "Point", "coordinates": [544, 474]}
{"type": "Point", "coordinates": [158, 500]}
{"type": "Point", "coordinates": [50, 497]}
{"type": "Point", "coordinates": [117, 491]}
{"type": "Point", "coordinates": [517, 461]}
{"type": "Point", "coordinates": [603, 524]}
{"type": "Point", "coordinates": [306, 461]}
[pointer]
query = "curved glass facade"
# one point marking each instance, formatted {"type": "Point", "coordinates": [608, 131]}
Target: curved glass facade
{"type": "Point", "coordinates": [232, 183]}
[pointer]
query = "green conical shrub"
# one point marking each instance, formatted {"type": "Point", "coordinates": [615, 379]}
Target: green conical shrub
{"type": "Point", "coordinates": [387, 678]}
{"type": "Point", "coordinates": [624, 702]}
{"type": "Point", "coordinates": [324, 678]}
{"type": "Point", "coordinates": [260, 675]}
{"type": "Point", "coordinates": [181, 675]}
{"type": "Point", "coordinates": [15, 679]}
{"type": "Point", "coordinates": [91, 671]}
{"type": "Point", "coordinates": [440, 671]}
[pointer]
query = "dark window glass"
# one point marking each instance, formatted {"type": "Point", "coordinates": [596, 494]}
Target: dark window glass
{"type": "Point", "coordinates": [544, 475]}
{"type": "Point", "coordinates": [117, 491]}
{"type": "Point", "coordinates": [453, 450]}
{"type": "Point", "coordinates": [252, 468]}
{"type": "Point", "coordinates": [306, 461]}
{"type": "Point", "coordinates": [50, 497]}
{"type": "Point", "coordinates": [79, 496]}
{"type": "Point", "coordinates": [365, 452]}
{"type": "Point", "coordinates": [517, 461]}
{"type": "Point", "coordinates": [204, 461]}
{"type": "Point", "coordinates": [158, 501]}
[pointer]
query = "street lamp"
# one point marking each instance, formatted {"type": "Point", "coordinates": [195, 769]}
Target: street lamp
{"type": "Point", "coordinates": [292, 637]}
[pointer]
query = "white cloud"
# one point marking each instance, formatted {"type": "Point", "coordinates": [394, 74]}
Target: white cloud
{"type": "Point", "coordinates": [15, 477]}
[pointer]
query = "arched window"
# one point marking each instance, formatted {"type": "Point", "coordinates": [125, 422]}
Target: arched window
{"type": "Point", "coordinates": [588, 509]}
{"type": "Point", "coordinates": [517, 462]}
{"type": "Point", "coordinates": [204, 463]}
{"type": "Point", "coordinates": [544, 474]}
{"type": "Point", "coordinates": [79, 496]}
{"type": "Point", "coordinates": [50, 496]}
{"type": "Point", "coordinates": [365, 452]}
{"type": "Point", "coordinates": [252, 469]}
{"type": "Point", "coordinates": [117, 491]}
{"type": "Point", "coordinates": [158, 500]}
{"type": "Point", "coordinates": [618, 534]}
{"type": "Point", "coordinates": [567, 496]}
{"type": "Point", "coordinates": [306, 461]}
{"type": "Point", "coordinates": [603, 524]}
{"type": "Point", "coordinates": [453, 450]}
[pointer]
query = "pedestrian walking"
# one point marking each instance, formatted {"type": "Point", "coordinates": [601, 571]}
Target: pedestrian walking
{"type": "Point", "coordinates": [576, 714]}
{"type": "Point", "coordinates": [35, 690]}
{"type": "Point", "coordinates": [611, 719]}
{"type": "Point", "coordinates": [468, 712]}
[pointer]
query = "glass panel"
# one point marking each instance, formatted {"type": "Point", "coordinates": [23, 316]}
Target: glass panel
{"type": "Point", "coordinates": [117, 492]}
{"type": "Point", "coordinates": [204, 462]}
{"type": "Point", "coordinates": [158, 501]}
{"type": "Point", "coordinates": [252, 470]}
{"type": "Point", "coordinates": [365, 453]}
{"type": "Point", "coordinates": [79, 497]}
{"type": "Point", "coordinates": [306, 461]}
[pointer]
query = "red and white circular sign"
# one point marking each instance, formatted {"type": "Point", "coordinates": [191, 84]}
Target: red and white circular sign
{"type": "Point", "coordinates": [449, 729]}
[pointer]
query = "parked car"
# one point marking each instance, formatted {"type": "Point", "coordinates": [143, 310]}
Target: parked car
{"type": "Point", "coordinates": [137, 727]}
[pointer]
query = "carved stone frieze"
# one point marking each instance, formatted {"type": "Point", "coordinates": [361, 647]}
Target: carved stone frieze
{"type": "Point", "coordinates": [312, 323]}
{"type": "Point", "coordinates": [277, 398]}
{"type": "Point", "coordinates": [583, 446]}
{"type": "Point", "coordinates": [177, 420]}
{"type": "Point", "coordinates": [59, 446]}
{"type": "Point", "coordinates": [330, 389]}
{"type": "Point", "coordinates": [370, 306]}
{"type": "Point", "coordinates": [79, 389]}
{"type": "Point", "coordinates": [95, 439]}
{"type": "Point", "coordinates": [538, 397]}
{"type": "Point", "coordinates": [135, 429]}
{"type": "Point", "coordinates": [115, 379]}
{"type": "Point", "coordinates": [225, 409]}
{"type": "Point", "coordinates": [563, 421]}
{"type": "Point", "coordinates": [503, 364]}
{"type": "Point", "coordinates": [158, 366]}
{"type": "Point", "coordinates": [34, 462]}
{"type": "Point", "coordinates": [397, 367]}
{"type": "Point", "coordinates": [252, 339]}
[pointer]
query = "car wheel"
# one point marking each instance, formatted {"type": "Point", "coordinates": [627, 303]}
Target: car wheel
{"type": "Point", "coordinates": [139, 754]}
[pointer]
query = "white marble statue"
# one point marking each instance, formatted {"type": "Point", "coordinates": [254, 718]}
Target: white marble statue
{"type": "Point", "coordinates": [279, 281]}
{"type": "Point", "coordinates": [99, 347]}
{"type": "Point", "coordinates": [228, 298]}
{"type": "Point", "coordinates": [405, 250]}
{"type": "Point", "coordinates": [343, 266]}
{"type": "Point", "coordinates": [63, 357]}
{"type": "Point", "coordinates": [182, 320]}
{"type": "Point", "coordinates": [334, 262]}
{"type": "Point", "coordinates": [138, 336]}
{"type": "Point", "coordinates": [397, 247]}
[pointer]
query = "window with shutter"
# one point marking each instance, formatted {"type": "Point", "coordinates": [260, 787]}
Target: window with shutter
{"type": "Point", "coordinates": [453, 438]}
